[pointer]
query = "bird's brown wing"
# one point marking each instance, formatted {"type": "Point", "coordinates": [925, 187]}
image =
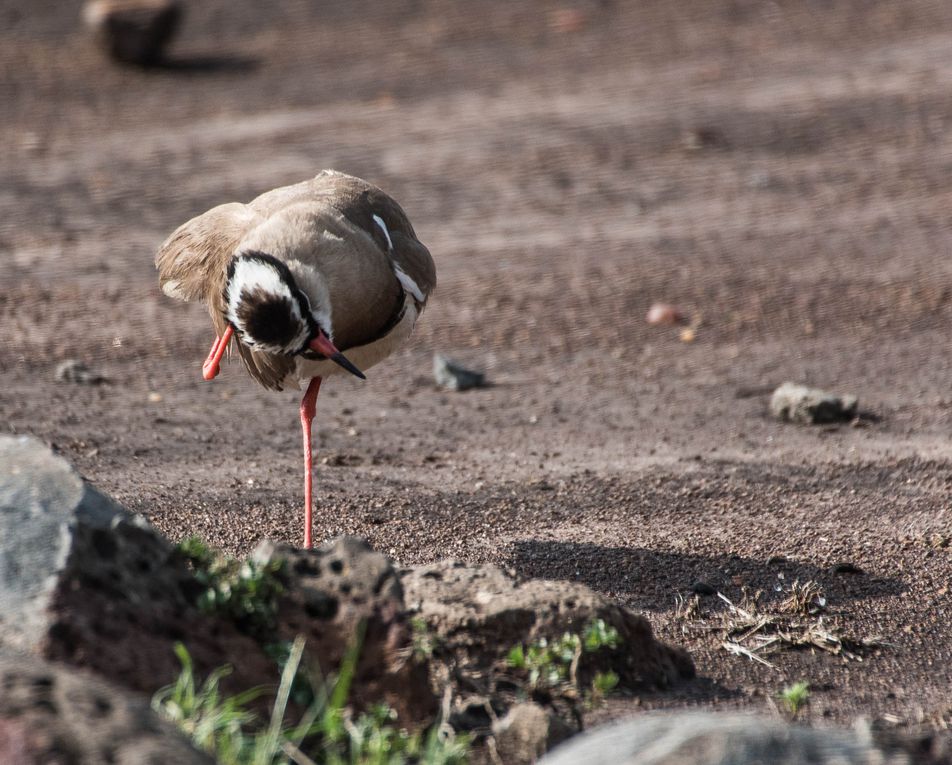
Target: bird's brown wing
{"type": "Point", "coordinates": [360, 202]}
{"type": "Point", "coordinates": [193, 261]}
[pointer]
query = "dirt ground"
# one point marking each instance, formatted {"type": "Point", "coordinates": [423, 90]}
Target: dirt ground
{"type": "Point", "coordinates": [783, 171]}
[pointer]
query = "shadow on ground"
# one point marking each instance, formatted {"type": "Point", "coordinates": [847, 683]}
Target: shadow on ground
{"type": "Point", "coordinates": [651, 579]}
{"type": "Point", "coordinates": [206, 64]}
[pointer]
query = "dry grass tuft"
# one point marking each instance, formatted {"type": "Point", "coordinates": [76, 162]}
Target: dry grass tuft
{"type": "Point", "coordinates": [749, 628]}
{"type": "Point", "coordinates": [805, 599]}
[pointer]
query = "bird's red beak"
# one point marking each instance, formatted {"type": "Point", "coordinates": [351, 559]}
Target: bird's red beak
{"type": "Point", "coordinates": [325, 347]}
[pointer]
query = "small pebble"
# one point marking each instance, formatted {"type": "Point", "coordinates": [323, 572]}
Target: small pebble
{"type": "Point", "coordinates": [75, 371]}
{"type": "Point", "coordinates": [664, 314]}
{"type": "Point", "coordinates": [811, 406]}
{"type": "Point", "coordinates": [133, 31]}
{"type": "Point", "coordinates": [452, 375]}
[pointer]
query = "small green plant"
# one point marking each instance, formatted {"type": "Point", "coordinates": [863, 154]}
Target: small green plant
{"type": "Point", "coordinates": [598, 635]}
{"type": "Point", "coordinates": [327, 732]}
{"type": "Point", "coordinates": [795, 697]}
{"type": "Point", "coordinates": [424, 641]}
{"type": "Point", "coordinates": [242, 591]}
{"type": "Point", "coordinates": [547, 664]}
{"type": "Point", "coordinates": [554, 664]}
{"type": "Point", "coordinates": [602, 684]}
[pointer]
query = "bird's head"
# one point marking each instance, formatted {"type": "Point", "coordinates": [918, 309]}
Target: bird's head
{"type": "Point", "coordinates": [272, 315]}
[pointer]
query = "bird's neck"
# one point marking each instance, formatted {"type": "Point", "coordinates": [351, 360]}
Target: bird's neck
{"type": "Point", "coordinates": [312, 283]}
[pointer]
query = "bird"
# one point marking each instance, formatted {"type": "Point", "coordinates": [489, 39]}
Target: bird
{"type": "Point", "coordinates": [296, 278]}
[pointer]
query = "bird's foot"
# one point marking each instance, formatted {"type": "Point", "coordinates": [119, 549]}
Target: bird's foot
{"type": "Point", "coordinates": [212, 365]}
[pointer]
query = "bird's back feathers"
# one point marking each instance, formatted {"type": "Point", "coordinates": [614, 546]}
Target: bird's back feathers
{"type": "Point", "coordinates": [334, 228]}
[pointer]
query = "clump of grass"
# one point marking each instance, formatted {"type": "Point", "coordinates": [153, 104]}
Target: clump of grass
{"type": "Point", "coordinates": [327, 732]}
{"type": "Point", "coordinates": [553, 665]}
{"type": "Point", "coordinates": [795, 697]}
{"type": "Point", "coordinates": [244, 592]}
{"type": "Point", "coordinates": [213, 723]}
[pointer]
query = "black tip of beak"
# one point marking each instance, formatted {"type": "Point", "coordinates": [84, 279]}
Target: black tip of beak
{"type": "Point", "coordinates": [340, 358]}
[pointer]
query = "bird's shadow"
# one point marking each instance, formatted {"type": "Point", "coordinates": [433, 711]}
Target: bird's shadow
{"type": "Point", "coordinates": [650, 579]}
{"type": "Point", "coordinates": [204, 64]}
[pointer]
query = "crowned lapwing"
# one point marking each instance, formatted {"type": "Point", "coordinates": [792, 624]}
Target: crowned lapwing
{"type": "Point", "coordinates": [299, 276]}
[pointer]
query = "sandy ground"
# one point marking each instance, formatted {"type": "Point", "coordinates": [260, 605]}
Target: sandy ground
{"type": "Point", "coordinates": [783, 171]}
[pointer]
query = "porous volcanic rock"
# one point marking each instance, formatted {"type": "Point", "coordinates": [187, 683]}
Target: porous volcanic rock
{"type": "Point", "coordinates": [79, 572]}
{"type": "Point", "coordinates": [54, 714]}
{"type": "Point", "coordinates": [85, 582]}
{"type": "Point", "coordinates": [478, 614]}
{"type": "Point", "coordinates": [527, 731]}
{"type": "Point", "coordinates": [337, 589]}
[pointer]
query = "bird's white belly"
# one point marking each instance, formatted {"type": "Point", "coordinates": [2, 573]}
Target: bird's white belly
{"type": "Point", "coordinates": [363, 356]}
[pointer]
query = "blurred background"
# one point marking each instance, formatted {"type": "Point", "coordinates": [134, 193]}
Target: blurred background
{"type": "Point", "coordinates": [781, 172]}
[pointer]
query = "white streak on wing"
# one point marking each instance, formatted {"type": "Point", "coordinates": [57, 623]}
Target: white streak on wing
{"type": "Point", "coordinates": [386, 232]}
{"type": "Point", "coordinates": [408, 284]}
{"type": "Point", "coordinates": [173, 288]}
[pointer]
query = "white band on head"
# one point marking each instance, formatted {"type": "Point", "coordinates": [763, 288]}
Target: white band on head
{"type": "Point", "coordinates": [252, 275]}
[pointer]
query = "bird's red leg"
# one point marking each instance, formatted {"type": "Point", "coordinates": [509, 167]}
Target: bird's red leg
{"type": "Point", "coordinates": [308, 409]}
{"type": "Point", "coordinates": [210, 368]}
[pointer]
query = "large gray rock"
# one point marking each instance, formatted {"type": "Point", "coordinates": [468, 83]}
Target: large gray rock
{"type": "Point", "coordinates": [44, 506]}
{"type": "Point", "coordinates": [811, 406]}
{"type": "Point", "coordinates": [87, 583]}
{"type": "Point", "coordinates": [54, 714]}
{"type": "Point", "coordinates": [702, 738]}
{"type": "Point", "coordinates": [77, 572]}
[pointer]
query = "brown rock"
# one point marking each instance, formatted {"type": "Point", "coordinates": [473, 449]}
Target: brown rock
{"type": "Point", "coordinates": [54, 714]}
{"type": "Point", "coordinates": [133, 31]}
{"type": "Point", "coordinates": [527, 732]}
{"type": "Point", "coordinates": [664, 314]}
{"type": "Point", "coordinates": [333, 590]}
{"type": "Point", "coordinates": [478, 614]}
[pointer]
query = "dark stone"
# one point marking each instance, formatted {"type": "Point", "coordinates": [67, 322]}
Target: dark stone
{"type": "Point", "coordinates": [134, 31]}
{"type": "Point", "coordinates": [452, 375]}
{"type": "Point", "coordinates": [810, 406]}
